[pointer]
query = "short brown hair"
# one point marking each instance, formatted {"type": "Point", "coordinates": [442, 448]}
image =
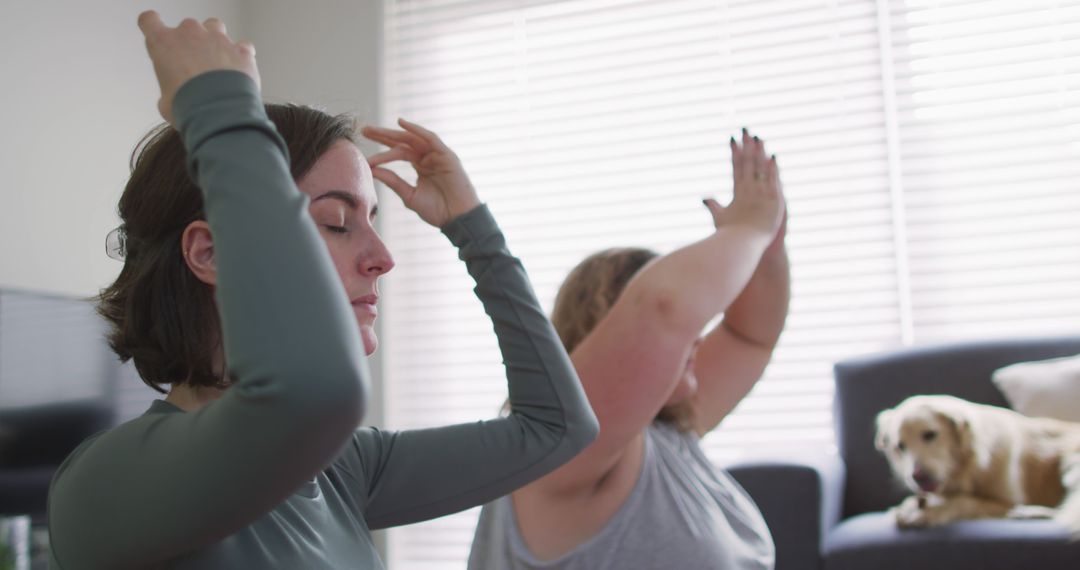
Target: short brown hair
{"type": "Point", "coordinates": [161, 316]}
{"type": "Point", "coordinates": [589, 292]}
{"type": "Point", "coordinates": [591, 288]}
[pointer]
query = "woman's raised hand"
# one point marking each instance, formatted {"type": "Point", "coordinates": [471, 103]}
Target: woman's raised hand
{"type": "Point", "coordinates": [442, 191]}
{"type": "Point", "coordinates": [191, 48]}
{"type": "Point", "coordinates": [758, 197]}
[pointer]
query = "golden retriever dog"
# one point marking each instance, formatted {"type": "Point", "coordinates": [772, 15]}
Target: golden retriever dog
{"type": "Point", "coordinates": [967, 461]}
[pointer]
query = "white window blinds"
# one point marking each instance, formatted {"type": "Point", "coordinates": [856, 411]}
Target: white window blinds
{"type": "Point", "coordinates": [988, 98]}
{"type": "Point", "coordinates": [926, 149]}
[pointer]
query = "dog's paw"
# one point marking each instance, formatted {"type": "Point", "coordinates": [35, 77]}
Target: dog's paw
{"type": "Point", "coordinates": [911, 513]}
{"type": "Point", "coordinates": [1031, 512]}
{"type": "Point", "coordinates": [925, 511]}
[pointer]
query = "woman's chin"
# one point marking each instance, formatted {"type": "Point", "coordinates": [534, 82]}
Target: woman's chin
{"type": "Point", "coordinates": [371, 342]}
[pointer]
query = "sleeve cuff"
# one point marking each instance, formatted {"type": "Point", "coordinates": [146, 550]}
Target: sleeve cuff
{"type": "Point", "coordinates": [219, 101]}
{"type": "Point", "coordinates": [471, 226]}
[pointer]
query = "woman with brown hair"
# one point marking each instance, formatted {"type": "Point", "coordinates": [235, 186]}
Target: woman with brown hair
{"type": "Point", "coordinates": [643, 495]}
{"type": "Point", "coordinates": [250, 289]}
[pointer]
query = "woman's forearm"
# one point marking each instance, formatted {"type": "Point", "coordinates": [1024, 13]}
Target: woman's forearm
{"type": "Point", "coordinates": [758, 314]}
{"type": "Point", "coordinates": [422, 474]}
{"type": "Point", "coordinates": [687, 288]}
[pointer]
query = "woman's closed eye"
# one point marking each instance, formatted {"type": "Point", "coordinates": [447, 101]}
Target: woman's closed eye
{"type": "Point", "coordinates": [332, 219]}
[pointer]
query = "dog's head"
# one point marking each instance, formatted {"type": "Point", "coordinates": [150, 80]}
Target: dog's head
{"type": "Point", "coordinates": [926, 440]}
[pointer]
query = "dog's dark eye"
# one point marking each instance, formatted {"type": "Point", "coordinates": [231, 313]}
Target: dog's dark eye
{"type": "Point", "coordinates": [929, 436]}
{"type": "Point", "coordinates": [901, 446]}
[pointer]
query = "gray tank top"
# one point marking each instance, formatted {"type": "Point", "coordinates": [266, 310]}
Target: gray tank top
{"type": "Point", "coordinates": [682, 513]}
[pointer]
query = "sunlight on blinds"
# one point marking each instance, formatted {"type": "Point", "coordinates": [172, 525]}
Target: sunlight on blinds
{"type": "Point", "coordinates": [926, 148]}
{"type": "Point", "coordinates": [988, 93]}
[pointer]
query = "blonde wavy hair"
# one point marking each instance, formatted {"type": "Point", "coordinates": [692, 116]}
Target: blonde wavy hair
{"type": "Point", "coordinates": [589, 292]}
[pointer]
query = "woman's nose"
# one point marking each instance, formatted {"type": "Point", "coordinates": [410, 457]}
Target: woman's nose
{"type": "Point", "coordinates": [377, 259]}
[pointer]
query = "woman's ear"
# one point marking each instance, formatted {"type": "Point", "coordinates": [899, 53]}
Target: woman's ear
{"type": "Point", "coordinates": [198, 249]}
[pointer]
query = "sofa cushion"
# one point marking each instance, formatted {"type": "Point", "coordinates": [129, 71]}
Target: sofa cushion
{"type": "Point", "coordinates": [872, 540]}
{"type": "Point", "coordinates": [1043, 389]}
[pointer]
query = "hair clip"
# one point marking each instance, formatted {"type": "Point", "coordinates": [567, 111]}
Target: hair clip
{"type": "Point", "coordinates": [116, 244]}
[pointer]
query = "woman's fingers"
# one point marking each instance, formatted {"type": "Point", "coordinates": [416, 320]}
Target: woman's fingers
{"type": "Point", "coordinates": [393, 137]}
{"type": "Point", "coordinates": [150, 23]}
{"type": "Point", "coordinates": [760, 162]}
{"type": "Point", "coordinates": [400, 152]}
{"type": "Point", "coordinates": [394, 182]}
{"type": "Point", "coordinates": [758, 198]}
{"type": "Point", "coordinates": [750, 163]}
{"type": "Point", "coordinates": [747, 156]}
{"type": "Point", "coordinates": [215, 25]}
{"type": "Point", "coordinates": [190, 49]}
{"type": "Point", "coordinates": [777, 187]}
{"type": "Point", "coordinates": [736, 162]}
{"type": "Point", "coordinates": [428, 136]}
{"type": "Point", "coordinates": [716, 210]}
{"type": "Point", "coordinates": [773, 173]}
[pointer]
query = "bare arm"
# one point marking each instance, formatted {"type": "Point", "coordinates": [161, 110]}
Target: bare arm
{"type": "Point", "coordinates": [733, 355]}
{"type": "Point", "coordinates": [630, 363]}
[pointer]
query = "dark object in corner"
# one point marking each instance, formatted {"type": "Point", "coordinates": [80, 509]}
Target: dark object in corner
{"type": "Point", "coordinates": [35, 441]}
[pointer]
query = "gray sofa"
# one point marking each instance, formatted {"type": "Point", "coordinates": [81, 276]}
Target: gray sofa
{"type": "Point", "coordinates": [832, 513]}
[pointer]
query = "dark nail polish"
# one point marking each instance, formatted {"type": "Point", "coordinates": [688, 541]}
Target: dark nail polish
{"type": "Point", "coordinates": [732, 140]}
{"type": "Point", "coordinates": [757, 140]}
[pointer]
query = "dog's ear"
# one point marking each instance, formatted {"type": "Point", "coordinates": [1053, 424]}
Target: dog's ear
{"type": "Point", "coordinates": [883, 423]}
{"type": "Point", "coordinates": [961, 421]}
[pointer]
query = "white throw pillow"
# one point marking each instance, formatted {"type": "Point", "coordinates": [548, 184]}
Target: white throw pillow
{"type": "Point", "coordinates": [1043, 389]}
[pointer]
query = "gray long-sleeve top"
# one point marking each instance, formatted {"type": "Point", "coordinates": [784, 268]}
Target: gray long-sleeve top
{"type": "Point", "coordinates": [275, 473]}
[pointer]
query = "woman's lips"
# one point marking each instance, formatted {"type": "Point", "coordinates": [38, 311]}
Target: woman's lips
{"type": "Point", "coordinates": [366, 305]}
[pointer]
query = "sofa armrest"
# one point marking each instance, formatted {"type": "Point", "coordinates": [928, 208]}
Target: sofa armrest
{"type": "Point", "coordinates": [800, 501]}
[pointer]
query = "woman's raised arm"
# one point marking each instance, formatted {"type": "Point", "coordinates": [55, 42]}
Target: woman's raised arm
{"type": "Point", "coordinates": [167, 483]}
{"type": "Point", "coordinates": [632, 360]}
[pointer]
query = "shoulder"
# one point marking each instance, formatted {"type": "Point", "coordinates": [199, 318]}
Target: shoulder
{"type": "Point", "coordinates": [102, 459]}
{"type": "Point", "coordinates": [675, 449]}
{"type": "Point", "coordinates": [496, 542]}
{"type": "Point", "coordinates": [666, 433]}
{"type": "Point", "coordinates": [497, 520]}
{"type": "Point", "coordinates": [364, 451]}
{"type": "Point", "coordinates": [117, 445]}
{"type": "Point", "coordinates": [75, 455]}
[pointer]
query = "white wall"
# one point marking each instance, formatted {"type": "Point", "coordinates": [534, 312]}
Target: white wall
{"type": "Point", "coordinates": [78, 93]}
{"type": "Point", "coordinates": [323, 53]}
